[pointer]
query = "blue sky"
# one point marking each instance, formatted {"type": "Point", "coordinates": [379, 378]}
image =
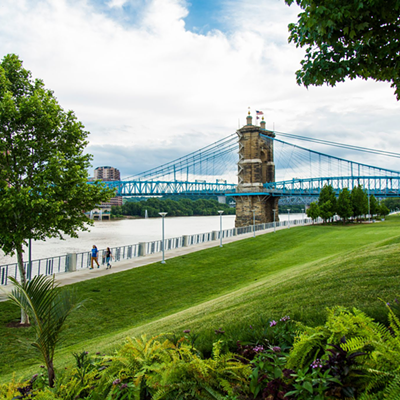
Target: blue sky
{"type": "Point", "coordinates": [204, 16]}
{"type": "Point", "coordinates": [153, 80]}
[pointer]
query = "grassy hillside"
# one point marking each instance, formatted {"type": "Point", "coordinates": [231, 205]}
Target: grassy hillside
{"type": "Point", "coordinates": [298, 271]}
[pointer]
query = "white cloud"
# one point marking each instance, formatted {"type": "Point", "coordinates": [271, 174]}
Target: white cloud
{"type": "Point", "coordinates": [116, 3]}
{"type": "Point", "coordinates": [154, 84]}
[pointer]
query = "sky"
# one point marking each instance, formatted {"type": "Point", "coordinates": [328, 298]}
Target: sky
{"type": "Point", "coordinates": [153, 80]}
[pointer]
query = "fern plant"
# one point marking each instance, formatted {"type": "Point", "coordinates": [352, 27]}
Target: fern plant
{"type": "Point", "coordinates": [313, 343]}
{"type": "Point", "coordinates": [383, 363]}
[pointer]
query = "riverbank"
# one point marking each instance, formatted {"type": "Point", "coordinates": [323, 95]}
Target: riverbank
{"type": "Point", "coordinates": [68, 278]}
{"type": "Point", "coordinates": [297, 272]}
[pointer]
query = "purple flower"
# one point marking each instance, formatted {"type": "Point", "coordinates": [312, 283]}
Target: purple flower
{"type": "Point", "coordinates": [285, 318]}
{"type": "Point", "coordinates": [258, 348]}
{"type": "Point", "coordinates": [42, 366]}
{"type": "Point", "coordinates": [117, 382]}
{"type": "Point", "coordinates": [251, 327]}
{"type": "Point", "coordinates": [186, 331]}
{"type": "Point", "coordinates": [123, 386]}
{"type": "Point", "coordinates": [272, 323]}
{"type": "Point", "coordinates": [388, 304]}
{"type": "Point", "coordinates": [219, 331]}
{"type": "Point", "coordinates": [396, 301]}
{"type": "Point", "coordinates": [98, 353]}
{"type": "Point", "coordinates": [316, 363]}
{"type": "Point", "coordinates": [276, 349]}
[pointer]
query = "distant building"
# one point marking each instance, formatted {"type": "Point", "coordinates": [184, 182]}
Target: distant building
{"type": "Point", "coordinates": [107, 174]}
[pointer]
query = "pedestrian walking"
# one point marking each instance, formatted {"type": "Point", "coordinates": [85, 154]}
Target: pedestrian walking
{"type": "Point", "coordinates": [109, 256]}
{"type": "Point", "coordinates": [94, 255]}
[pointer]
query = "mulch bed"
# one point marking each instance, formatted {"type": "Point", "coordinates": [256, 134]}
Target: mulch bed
{"type": "Point", "coordinates": [17, 324]}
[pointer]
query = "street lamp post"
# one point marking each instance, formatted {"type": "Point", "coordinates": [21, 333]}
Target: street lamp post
{"type": "Point", "coordinates": [304, 215]}
{"type": "Point", "coordinates": [220, 212]}
{"type": "Point", "coordinates": [288, 215]}
{"type": "Point", "coordinates": [274, 219]}
{"type": "Point", "coordinates": [163, 214]}
{"type": "Point", "coordinates": [29, 269]}
{"type": "Point", "coordinates": [254, 223]}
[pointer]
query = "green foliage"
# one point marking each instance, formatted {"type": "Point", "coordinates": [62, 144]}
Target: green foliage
{"type": "Point", "coordinates": [43, 171]}
{"type": "Point", "coordinates": [162, 370]}
{"type": "Point", "coordinates": [344, 207]}
{"type": "Point", "coordinates": [347, 39]}
{"type": "Point", "coordinates": [268, 366]}
{"type": "Point", "coordinates": [311, 385]}
{"type": "Point", "coordinates": [359, 201]}
{"type": "Point", "coordinates": [383, 363]}
{"type": "Point", "coordinates": [327, 202]}
{"type": "Point", "coordinates": [373, 205]}
{"type": "Point", "coordinates": [383, 210]}
{"type": "Point", "coordinates": [313, 211]}
{"type": "Point", "coordinates": [312, 343]}
{"type": "Point", "coordinates": [48, 307]}
{"type": "Point", "coordinates": [392, 204]}
{"type": "Point", "coordinates": [182, 207]}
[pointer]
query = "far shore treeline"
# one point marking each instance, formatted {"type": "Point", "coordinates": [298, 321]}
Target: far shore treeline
{"type": "Point", "coordinates": [174, 208]}
{"type": "Point", "coordinates": [136, 207]}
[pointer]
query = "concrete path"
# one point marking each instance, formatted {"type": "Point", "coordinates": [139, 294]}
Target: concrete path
{"type": "Point", "coordinates": [68, 278]}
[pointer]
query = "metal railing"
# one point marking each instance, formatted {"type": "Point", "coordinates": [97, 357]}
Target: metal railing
{"type": "Point", "coordinates": [53, 265]}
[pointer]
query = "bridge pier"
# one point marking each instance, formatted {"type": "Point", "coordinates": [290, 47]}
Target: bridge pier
{"type": "Point", "coordinates": [255, 167]}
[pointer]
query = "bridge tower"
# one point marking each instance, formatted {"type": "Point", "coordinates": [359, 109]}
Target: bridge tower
{"type": "Point", "coordinates": [255, 167]}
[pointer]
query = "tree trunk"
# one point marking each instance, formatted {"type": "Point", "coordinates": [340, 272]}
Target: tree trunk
{"type": "Point", "coordinates": [50, 373]}
{"type": "Point", "coordinates": [24, 315]}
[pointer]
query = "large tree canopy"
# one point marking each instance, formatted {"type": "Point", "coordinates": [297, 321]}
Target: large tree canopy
{"type": "Point", "coordinates": [357, 38]}
{"type": "Point", "coordinates": [43, 171]}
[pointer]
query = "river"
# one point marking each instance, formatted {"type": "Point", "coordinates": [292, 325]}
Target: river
{"type": "Point", "coordinates": [128, 231]}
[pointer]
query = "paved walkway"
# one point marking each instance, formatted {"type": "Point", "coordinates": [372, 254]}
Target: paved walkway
{"type": "Point", "coordinates": [68, 278]}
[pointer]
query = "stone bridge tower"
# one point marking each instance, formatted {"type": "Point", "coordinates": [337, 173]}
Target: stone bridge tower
{"type": "Point", "coordinates": [255, 167]}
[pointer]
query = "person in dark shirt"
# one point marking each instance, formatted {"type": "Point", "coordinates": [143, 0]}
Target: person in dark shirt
{"type": "Point", "coordinates": [108, 257]}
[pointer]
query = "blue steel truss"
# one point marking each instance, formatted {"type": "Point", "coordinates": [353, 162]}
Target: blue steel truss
{"type": "Point", "coordinates": [161, 188]}
{"type": "Point", "coordinates": [379, 186]}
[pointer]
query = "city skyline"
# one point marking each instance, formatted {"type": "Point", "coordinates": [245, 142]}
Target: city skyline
{"type": "Point", "coordinates": [155, 80]}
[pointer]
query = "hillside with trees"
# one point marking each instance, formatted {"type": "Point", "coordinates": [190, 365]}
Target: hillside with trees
{"type": "Point", "coordinates": [174, 208]}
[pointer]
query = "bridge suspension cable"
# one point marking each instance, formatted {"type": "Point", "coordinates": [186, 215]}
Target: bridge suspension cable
{"type": "Point", "coordinates": [210, 161]}
{"type": "Point", "coordinates": [340, 145]}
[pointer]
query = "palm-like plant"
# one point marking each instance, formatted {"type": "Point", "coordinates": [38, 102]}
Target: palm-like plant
{"type": "Point", "coordinates": [48, 307]}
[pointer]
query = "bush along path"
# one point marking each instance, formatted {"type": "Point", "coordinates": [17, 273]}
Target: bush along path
{"type": "Point", "coordinates": [350, 356]}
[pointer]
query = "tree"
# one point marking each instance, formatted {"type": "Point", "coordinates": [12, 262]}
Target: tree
{"type": "Point", "coordinates": [43, 171]}
{"type": "Point", "coordinates": [359, 201]}
{"type": "Point", "coordinates": [348, 39]}
{"type": "Point", "coordinates": [383, 210]}
{"type": "Point", "coordinates": [48, 307]}
{"type": "Point", "coordinates": [327, 202]}
{"type": "Point", "coordinates": [344, 207]}
{"type": "Point", "coordinates": [313, 211]}
{"type": "Point", "coordinates": [373, 205]}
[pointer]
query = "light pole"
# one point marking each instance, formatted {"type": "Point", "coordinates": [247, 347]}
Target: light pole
{"type": "Point", "coordinates": [274, 219]}
{"type": "Point", "coordinates": [29, 274]}
{"type": "Point", "coordinates": [163, 214]}
{"type": "Point", "coordinates": [288, 216]}
{"type": "Point", "coordinates": [254, 223]}
{"type": "Point", "coordinates": [304, 216]}
{"type": "Point", "coordinates": [220, 212]}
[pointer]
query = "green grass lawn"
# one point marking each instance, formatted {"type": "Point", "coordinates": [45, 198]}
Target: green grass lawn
{"type": "Point", "coordinates": [298, 271]}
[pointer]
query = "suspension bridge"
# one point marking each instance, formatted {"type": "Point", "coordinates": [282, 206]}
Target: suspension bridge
{"type": "Point", "coordinates": [300, 173]}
